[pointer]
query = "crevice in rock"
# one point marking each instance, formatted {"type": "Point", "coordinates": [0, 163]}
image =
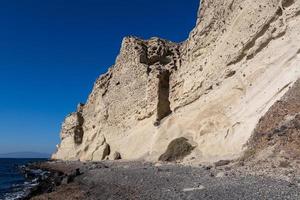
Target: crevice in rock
{"type": "Point", "coordinates": [230, 74]}
{"type": "Point", "coordinates": [163, 105]}
{"type": "Point", "coordinates": [78, 130]}
{"type": "Point", "coordinates": [106, 151]}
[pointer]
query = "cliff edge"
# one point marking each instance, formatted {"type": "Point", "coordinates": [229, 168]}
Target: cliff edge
{"type": "Point", "coordinates": [213, 90]}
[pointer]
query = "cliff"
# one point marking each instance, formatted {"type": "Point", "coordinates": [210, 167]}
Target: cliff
{"type": "Point", "coordinates": [212, 89]}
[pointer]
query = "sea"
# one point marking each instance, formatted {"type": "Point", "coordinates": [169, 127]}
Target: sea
{"type": "Point", "coordinates": [13, 185]}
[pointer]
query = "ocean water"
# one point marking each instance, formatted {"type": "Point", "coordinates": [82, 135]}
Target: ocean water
{"type": "Point", "coordinates": [13, 185]}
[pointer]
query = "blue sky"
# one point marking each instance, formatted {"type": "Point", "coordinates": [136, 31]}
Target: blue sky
{"type": "Point", "coordinates": [52, 51]}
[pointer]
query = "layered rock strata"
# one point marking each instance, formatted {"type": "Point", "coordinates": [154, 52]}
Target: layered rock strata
{"type": "Point", "coordinates": [212, 89]}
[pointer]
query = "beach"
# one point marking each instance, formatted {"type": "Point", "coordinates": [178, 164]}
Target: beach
{"type": "Point", "coordinates": [143, 180]}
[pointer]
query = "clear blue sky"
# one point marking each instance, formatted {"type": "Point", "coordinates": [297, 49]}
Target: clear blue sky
{"type": "Point", "coordinates": [51, 52]}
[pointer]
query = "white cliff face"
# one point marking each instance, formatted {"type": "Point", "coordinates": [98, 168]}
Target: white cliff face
{"type": "Point", "coordinates": [242, 56]}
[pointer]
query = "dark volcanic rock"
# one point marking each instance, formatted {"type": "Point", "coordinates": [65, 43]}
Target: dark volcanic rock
{"type": "Point", "coordinates": [280, 127]}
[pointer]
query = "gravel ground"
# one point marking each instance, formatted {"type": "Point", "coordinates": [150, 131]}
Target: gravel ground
{"type": "Point", "coordinates": [140, 180]}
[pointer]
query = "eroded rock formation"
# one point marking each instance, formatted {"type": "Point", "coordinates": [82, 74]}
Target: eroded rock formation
{"type": "Point", "coordinates": [242, 57]}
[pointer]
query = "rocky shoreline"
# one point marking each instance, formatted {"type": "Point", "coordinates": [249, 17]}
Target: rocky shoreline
{"type": "Point", "coordinates": [47, 176]}
{"type": "Point", "coordinates": [144, 180]}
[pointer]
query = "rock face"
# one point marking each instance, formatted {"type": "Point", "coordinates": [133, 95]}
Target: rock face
{"type": "Point", "coordinates": [242, 57]}
{"type": "Point", "coordinates": [278, 132]}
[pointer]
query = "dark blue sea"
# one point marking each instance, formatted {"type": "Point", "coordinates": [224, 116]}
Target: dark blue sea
{"type": "Point", "coordinates": [13, 185]}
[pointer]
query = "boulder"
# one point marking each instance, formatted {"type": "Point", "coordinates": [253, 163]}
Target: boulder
{"type": "Point", "coordinates": [177, 150]}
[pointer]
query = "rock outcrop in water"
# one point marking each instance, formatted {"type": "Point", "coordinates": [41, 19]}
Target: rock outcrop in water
{"type": "Point", "coordinates": [212, 89]}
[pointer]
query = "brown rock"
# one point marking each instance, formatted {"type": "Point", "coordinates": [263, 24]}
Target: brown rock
{"type": "Point", "coordinates": [177, 150]}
